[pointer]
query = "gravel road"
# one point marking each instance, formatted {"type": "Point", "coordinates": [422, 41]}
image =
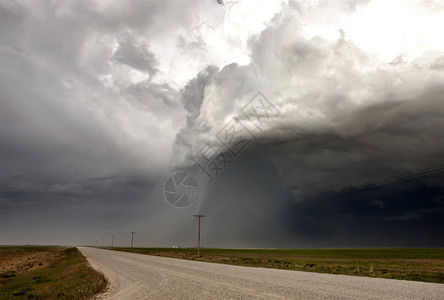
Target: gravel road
{"type": "Point", "coordinates": [137, 276]}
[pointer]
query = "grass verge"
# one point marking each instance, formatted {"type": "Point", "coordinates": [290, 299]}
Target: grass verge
{"type": "Point", "coordinates": [417, 264]}
{"type": "Point", "coordinates": [67, 276]}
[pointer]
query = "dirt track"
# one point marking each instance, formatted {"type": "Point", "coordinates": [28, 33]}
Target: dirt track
{"type": "Point", "coordinates": [137, 276]}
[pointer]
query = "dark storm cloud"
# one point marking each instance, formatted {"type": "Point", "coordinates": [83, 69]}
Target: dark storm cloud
{"type": "Point", "coordinates": [63, 127]}
{"type": "Point", "coordinates": [54, 106]}
{"type": "Point", "coordinates": [270, 195]}
{"type": "Point", "coordinates": [88, 130]}
{"type": "Point", "coordinates": [258, 212]}
{"type": "Point", "coordinates": [384, 139]}
{"type": "Point", "coordinates": [408, 213]}
{"type": "Point", "coordinates": [263, 198]}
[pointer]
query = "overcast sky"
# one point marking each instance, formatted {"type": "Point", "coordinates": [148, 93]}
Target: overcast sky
{"type": "Point", "coordinates": [102, 101]}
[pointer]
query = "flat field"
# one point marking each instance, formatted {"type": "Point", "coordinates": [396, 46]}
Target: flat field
{"type": "Point", "coordinates": [420, 264]}
{"type": "Point", "coordinates": [47, 273]}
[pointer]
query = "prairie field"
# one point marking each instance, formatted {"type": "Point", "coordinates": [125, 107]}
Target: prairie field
{"type": "Point", "coordinates": [420, 264]}
{"type": "Point", "coordinates": [47, 273]}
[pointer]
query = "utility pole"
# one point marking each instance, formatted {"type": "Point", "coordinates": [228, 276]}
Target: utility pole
{"type": "Point", "coordinates": [112, 241]}
{"type": "Point", "coordinates": [198, 234]}
{"type": "Point", "coordinates": [132, 237]}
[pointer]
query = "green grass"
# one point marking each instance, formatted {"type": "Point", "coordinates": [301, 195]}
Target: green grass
{"type": "Point", "coordinates": [68, 276]}
{"type": "Point", "coordinates": [420, 264]}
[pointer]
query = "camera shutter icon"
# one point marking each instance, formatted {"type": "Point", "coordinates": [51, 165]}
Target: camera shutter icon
{"type": "Point", "coordinates": [181, 190]}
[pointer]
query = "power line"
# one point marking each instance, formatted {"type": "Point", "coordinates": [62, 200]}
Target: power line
{"type": "Point", "coordinates": [379, 181]}
{"type": "Point", "coordinates": [198, 234]}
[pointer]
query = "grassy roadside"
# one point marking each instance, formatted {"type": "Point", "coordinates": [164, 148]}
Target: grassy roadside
{"type": "Point", "coordinates": [417, 264]}
{"type": "Point", "coordinates": [66, 276]}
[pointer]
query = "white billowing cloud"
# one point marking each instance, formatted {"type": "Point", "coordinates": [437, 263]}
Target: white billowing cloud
{"type": "Point", "coordinates": [387, 29]}
{"type": "Point", "coordinates": [321, 81]}
{"type": "Point", "coordinates": [218, 36]}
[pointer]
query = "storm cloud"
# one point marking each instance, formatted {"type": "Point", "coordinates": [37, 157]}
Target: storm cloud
{"type": "Point", "coordinates": [102, 101]}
